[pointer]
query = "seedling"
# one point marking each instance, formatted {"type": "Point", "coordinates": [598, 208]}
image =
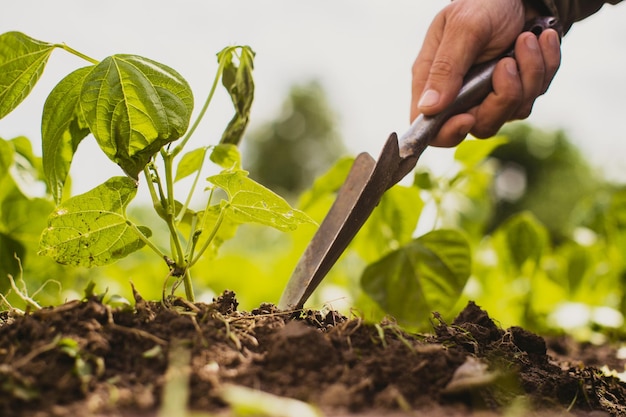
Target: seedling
{"type": "Point", "coordinates": [139, 112]}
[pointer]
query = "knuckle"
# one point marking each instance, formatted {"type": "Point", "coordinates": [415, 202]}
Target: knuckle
{"type": "Point", "coordinates": [524, 112]}
{"type": "Point", "coordinates": [442, 68]}
{"type": "Point", "coordinates": [485, 132]}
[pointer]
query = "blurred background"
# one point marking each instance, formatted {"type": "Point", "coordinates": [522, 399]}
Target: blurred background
{"type": "Point", "coordinates": [333, 79]}
{"type": "Point", "coordinates": [360, 51]}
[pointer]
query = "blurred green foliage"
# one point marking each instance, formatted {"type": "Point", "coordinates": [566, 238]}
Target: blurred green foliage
{"type": "Point", "coordinates": [287, 153]}
{"type": "Point", "coordinates": [523, 225]}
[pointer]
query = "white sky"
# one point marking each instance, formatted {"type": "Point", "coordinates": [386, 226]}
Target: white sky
{"type": "Point", "coordinates": [361, 50]}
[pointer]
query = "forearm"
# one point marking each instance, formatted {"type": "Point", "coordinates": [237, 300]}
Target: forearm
{"type": "Point", "coordinates": [568, 11]}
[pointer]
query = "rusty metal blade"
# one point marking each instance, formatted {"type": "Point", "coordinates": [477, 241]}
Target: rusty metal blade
{"type": "Point", "coordinates": [366, 183]}
{"type": "Point", "coordinates": [368, 180]}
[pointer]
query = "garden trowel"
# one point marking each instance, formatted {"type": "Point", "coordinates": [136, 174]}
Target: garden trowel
{"type": "Point", "coordinates": [368, 180]}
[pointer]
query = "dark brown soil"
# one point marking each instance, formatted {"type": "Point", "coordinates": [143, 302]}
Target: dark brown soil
{"type": "Point", "coordinates": [83, 358]}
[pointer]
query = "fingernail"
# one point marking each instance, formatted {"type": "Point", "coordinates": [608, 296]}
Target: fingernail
{"type": "Point", "coordinates": [511, 67]}
{"type": "Point", "coordinates": [531, 42]}
{"type": "Point", "coordinates": [429, 98]}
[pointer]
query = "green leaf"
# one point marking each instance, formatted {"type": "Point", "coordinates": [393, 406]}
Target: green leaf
{"type": "Point", "coordinates": [6, 157]}
{"type": "Point", "coordinates": [227, 156]}
{"type": "Point", "coordinates": [525, 237]}
{"type": "Point", "coordinates": [423, 180]}
{"type": "Point", "coordinates": [250, 202]}
{"type": "Point", "coordinates": [425, 275]}
{"type": "Point", "coordinates": [237, 79]}
{"type": "Point", "coordinates": [328, 183]}
{"type": "Point", "coordinates": [134, 106]}
{"type": "Point", "coordinates": [91, 229]}
{"type": "Point", "coordinates": [472, 152]}
{"type": "Point", "coordinates": [10, 249]}
{"type": "Point", "coordinates": [391, 224]}
{"type": "Point", "coordinates": [22, 61]}
{"type": "Point", "coordinates": [62, 129]}
{"type": "Point", "coordinates": [190, 163]}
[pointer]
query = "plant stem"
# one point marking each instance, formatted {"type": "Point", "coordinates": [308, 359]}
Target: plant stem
{"type": "Point", "coordinates": [147, 241]}
{"type": "Point", "coordinates": [153, 194]}
{"type": "Point", "coordinates": [193, 188]}
{"type": "Point", "coordinates": [206, 244]}
{"type": "Point", "coordinates": [78, 54]}
{"type": "Point", "coordinates": [188, 286]}
{"type": "Point", "coordinates": [192, 129]}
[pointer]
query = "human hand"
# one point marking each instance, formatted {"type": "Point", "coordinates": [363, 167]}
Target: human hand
{"type": "Point", "coordinates": [472, 31]}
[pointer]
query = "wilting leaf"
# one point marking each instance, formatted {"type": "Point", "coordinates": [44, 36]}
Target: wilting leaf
{"type": "Point", "coordinates": [134, 106]}
{"type": "Point", "coordinates": [91, 229]}
{"type": "Point", "coordinates": [426, 275]}
{"type": "Point", "coordinates": [237, 79]}
{"type": "Point", "coordinates": [62, 129]}
{"type": "Point", "coordinates": [250, 202]}
{"type": "Point", "coordinates": [22, 61]}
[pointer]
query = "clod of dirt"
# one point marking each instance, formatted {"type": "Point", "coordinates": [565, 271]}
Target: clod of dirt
{"type": "Point", "coordinates": [86, 356]}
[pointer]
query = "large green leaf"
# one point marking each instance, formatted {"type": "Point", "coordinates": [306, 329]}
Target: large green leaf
{"type": "Point", "coordinates": [392, 223]}
{"type": "Point", "coordinates": [22, 61]}
{"type": "Point", "coordinates": [237, 79]}
{"type": "Point", "coordinates": [62, 129]}
{"type": "Point", "coordinates": [134, 106]}
{"type": "Point", "coordinates": [428, 274]}
{"type": "Point", "coordinates": [91, 229]}
{"type": "Point", "coordinates": [250, 202]}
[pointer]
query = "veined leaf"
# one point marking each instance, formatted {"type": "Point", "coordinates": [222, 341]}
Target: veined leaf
{"type": "Point", "coordinates": [22, 61]}
{"type": "Point", "coordinates": [425, 275]}
{"type": "Point", "coordinates": [91, 229]}
{"type": "Point", "coordinates": [190, 163]}
{"type": "Point", "coordinates": [134, 106]}
{"type": "Point", "coordinates": [62, 129]}
{"type": "Point", "coordinates": [250, 202]}
{"type": "Point", "coordinates": [237, 79]}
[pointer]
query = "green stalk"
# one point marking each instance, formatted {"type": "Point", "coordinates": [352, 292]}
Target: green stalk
{"type": "Point", "coordinates": [147, 241]}
{"type": "Point", "coordinates": [192, 190]}
{"type": "Point", "coordinates": [206, 244]}
{"type": "Point", "coordinates": [181, 145]}
{"type": "Point", "coordinates": [188, 286]}
{"type": "Point", "coordinates": [153, 193]}
{"type": "Point", "coordinates": [75, 52]}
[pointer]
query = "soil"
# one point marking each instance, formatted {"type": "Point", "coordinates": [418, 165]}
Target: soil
{"type": "Point", "coordinates": [85, 358]}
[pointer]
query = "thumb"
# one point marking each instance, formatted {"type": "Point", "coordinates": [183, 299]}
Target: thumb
{"type": "Point", "coordinates": [453, 57]}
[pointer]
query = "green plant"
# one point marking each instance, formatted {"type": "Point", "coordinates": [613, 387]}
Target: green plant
{"type": "Point", "coordinates": [139, 112]}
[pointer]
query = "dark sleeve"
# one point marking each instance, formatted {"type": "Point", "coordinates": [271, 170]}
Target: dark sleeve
{"type": "Point", "coordinates": [570, 11]}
